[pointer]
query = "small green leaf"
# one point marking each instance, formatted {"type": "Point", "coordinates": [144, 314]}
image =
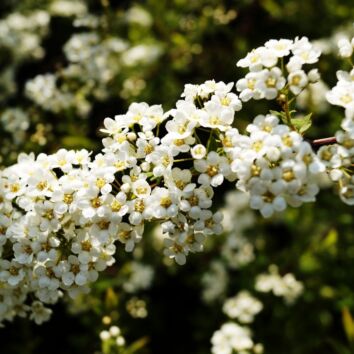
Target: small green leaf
{"type": "Point", "coordinates": [111, 300]}
{"type": "Point", "coordinates": [302, 124]}
{"type": "Point", "coordinates": [309, 262]}
{"type": "Point", "coordinates": [275, 113]}
{"type": "Point", "coordinates": [329, 243]}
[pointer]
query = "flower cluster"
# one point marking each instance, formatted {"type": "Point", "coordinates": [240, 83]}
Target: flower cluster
{"type": "Point", "coordinates": [155, 188]}
{"type": "Point", "coordinates": [112, 338]}
{"type": "Point", "coordinates": [20, 38]}
{"type": "Point", "coordinates": [266, 80]}
{"type": "Point", "coordinates": [55, 232]}
{"type": "Point", "coordinates": [285, 286]}
{"type": "Point", "coordinates": [62, 215]}
{"type": "Point", "coordinates": [22, 34]}
{"type": "Point", "coordinates": [233, 338]}
{"type": "Point", "coordinates": [275, 165]}
{"type": "Point", "coordinates": [339, 157]}
{"type": "Point", "coordinates": [66, 8]}
{"type": "Point", "coordinates": [242, 307]}
{"type": "Point", "coordinates": [94, 63]}
{"type": "Point", "coordinates": [140, 277]}
{"type": "Point", "coordinates": [15, 121]}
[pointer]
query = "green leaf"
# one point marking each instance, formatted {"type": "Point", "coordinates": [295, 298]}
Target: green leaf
{"type": "Point", "coordinates": [275, 113]}
{"type": "Point", "coordinates": [348, 324]}
{"type": "Point", "coordinates": [309, 262]}
{"type": "Point", "coordinates": [302, 124]}
{"type": "Point", "coordinates": [111, 300]}
{"type": "Point", "coordinates": [329, 243]}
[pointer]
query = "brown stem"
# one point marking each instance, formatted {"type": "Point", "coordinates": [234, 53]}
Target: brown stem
{"type": "Point", "coordinates": [286, 107]}
{"type": "Point", "coordinates": [324, 141]}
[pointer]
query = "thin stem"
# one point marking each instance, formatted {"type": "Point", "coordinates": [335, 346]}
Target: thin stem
{"type": "Point", "coordinates": [209, 140]}
{"type": "Point", "coordinates": [203, 129]}
{"type": "Point", "coordinates": [324, 141]}
{"type": "Point", "coordinates": [183, 160]}
{"type": "Point", "coordinates": [197, 137]}
{"type": "Point", "coordinates": [282, 65]}
{"type": "Point", "coordinates": [287, 113]}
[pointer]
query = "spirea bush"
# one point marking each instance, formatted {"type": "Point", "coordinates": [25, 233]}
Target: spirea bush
{"type": "Point", "coordinates": [214, 215]}
{"type": "Point", "coordinates": [64, 214]}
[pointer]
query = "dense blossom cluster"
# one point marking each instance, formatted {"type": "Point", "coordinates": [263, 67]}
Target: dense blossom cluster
{"type": "Point", "coordinates": [275, 165]}
{"type": "Point", "coordinates": [266, 79]}
{"type": "Point", "coordinates": [15, 121]}
{"type": "Point", "coordinates": [20, 38]}
{"type": "Point", "coordinates": [242, 307]}
{"type": "Point", "coordinates": [233, 338]}
{"type": "Point", "coordinates": [23, 34]}
{"type": "Point", "coordinates": [62, 215]}
{"type": "Point", "coordinates": [95, 62]}
{"type": "Point", "coordinates": [287, 286]}
{"type": "Point", "coordinates": [96, 66]}
{"type": "Point", "coordinates": [339, 158]}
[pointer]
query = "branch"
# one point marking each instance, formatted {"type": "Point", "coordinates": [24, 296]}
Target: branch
{"type": "Point", "coordinates": [324, 141]}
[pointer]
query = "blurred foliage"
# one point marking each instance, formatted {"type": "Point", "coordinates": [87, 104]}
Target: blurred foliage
{"type": "Point", "coordinates": [200, 40]}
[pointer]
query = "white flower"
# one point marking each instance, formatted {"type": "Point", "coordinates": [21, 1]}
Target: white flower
{"type": "Point", "coordinates": [345, 48]}
{"type": "Point", "coordinates": [297, 81]}
{"type": "Point", "coordinates": [270, 83]}
{"type": "Point", "coordinates": [305, 51]}
{"type": "Point", "coordinates": [162, 203]}
{"type": "Point", "coordinates": [218, 116]}
{"type": "Point", "coordinates": [130, 235]}
{"type": "Point", "coordinates": [280, 47]}
{"type": "Point", "coordinates": [258, 58]}
{"type": "Point", "coordinates": [162, 159]}
{"type": "Point", "coordinates": [39, 313]}
{"type": "Point", "coordinates": [198, 151]}
{"type": "Point", "coordinates": [342, 94]}
{"type": "Point", "coordinates": [175, 251]}
{"type": "Point", "coordinates": [248, 87]}
{"type": "Point", "coordinates": [213, 169]}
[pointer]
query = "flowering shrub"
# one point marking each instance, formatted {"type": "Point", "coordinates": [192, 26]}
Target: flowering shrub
{"type": "Point", "coordinates": [119, 242]}
{"type": "Point", "coordinates": [63, 214]}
